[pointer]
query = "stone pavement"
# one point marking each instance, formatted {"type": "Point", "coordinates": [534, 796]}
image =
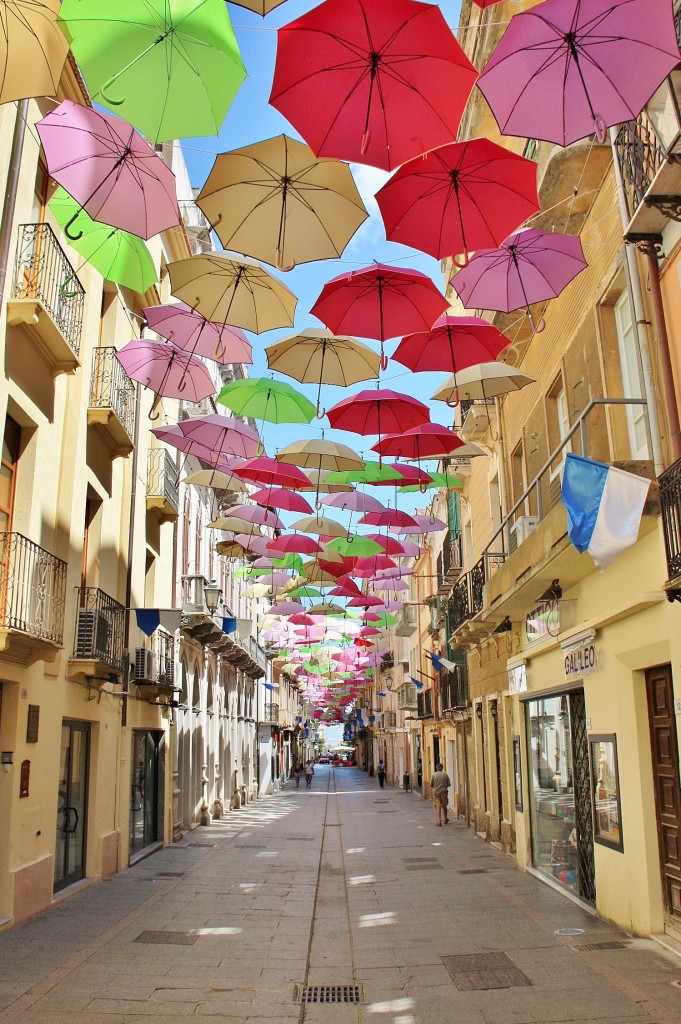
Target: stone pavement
{"type": "Point", "coordinates": [343, 885]}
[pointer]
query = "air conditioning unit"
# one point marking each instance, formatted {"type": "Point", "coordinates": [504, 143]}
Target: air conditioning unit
{"type": "Point", "coordinates": [145, 664]}
{"type": "Point", "coordinates": [92, 638]}
{"type": "Point", "coordinates": [520, 531]}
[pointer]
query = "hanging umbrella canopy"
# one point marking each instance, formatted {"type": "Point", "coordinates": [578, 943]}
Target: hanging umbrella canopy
{"type": "Point", "coordinates": [220, 434]}
{"type": "Point", "coordinates": [431, 440]}
{"type": "Point", "coordinates": [32, 49]}
{"type": "Point", "coordinates": [453, 343]}
{"type": "Point", "coordinates": [391, 518]}
{"type": "Point", "coordinates": [355, 77]}
{"type": "Point", "coordinates": [297, 543]}
{"type": "Point", "coordinates": [391, 545]}
{"type": "Point", "coordinates": [277, 202]}
{"type": "Point", "coordinates": [277, 497]}
{"type": "Point", "coordinates": [319, 455]}
{"type": "Point", "coordinates": [354, 502]}
{"type": "Point", "coordinates": [355, 546]}
{"type": "Point", "coordinates": [372, 474]}
{"type": "Point", "coordinates": [530, 266]}
{"type": "Point", "coordinates": [567, 68]}
{"type": "Point", "coordinates": [440, 481]}
{"type": "Point", "coordinates": [319, 482]}
{"type": "Point", "coordinates": [286, 608]}
{"type": "Point", "coordinates": [217, 480]}
{"type": "Point", "coordinates": [171, 69]}
{"type": "Point", "coordinates": [462, 197]}
{"type": "Point", "coordinates": [117, 255]}
{"type": "Point", "coordinates": [253, 514]}
{"type": "Point", "coordinates": [233, 291]}
{"type": "Point", "coordinates": [425, 524]}
{"type": "Point", "coordinates": [108, 168]}
{"type": "Point", "coordinates": [413, 474]}
{"type": "Point", "coordinates": [378, 412]}
{"type": "Point", "coordinates": [188, 330]}
{"type": "Point", "coordinates": [166, 370]}
{"type": "Point", "coordinates": [274, 401]}
{"type": "Point", "coordinates": [261, 7]}
{"type": "Point", "coordinates": [218, 460]}
{"type": "Point", "coordinates": [365, 568]}
{"type": "Point", "coordinates": [270, 473]}
{"type": "Point", "coordinates": [486, 380]}
{"type": "Point", "coordinates": [319, 525]}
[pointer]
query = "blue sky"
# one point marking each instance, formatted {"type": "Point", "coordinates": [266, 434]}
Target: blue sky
{"type": "Point", "coordinates": [252, 119]}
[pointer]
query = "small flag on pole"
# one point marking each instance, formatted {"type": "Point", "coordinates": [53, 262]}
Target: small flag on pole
{"type": "Point", "coordinates": [440, 663]}
{"type": "Point", "coordinates": [604, 507]}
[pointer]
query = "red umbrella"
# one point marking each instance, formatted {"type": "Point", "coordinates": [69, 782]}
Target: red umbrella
{"type": "Point", "coordinates": [378, 412]}
{"type": "Point", "coordinates": [380, 302]}
{"type": "Point", "coordinates": [166, 370]}
{"type": "Point", "coordinates": [298, 543]}
{"type": "Point", "coordinates": [431, 440]}
{"type": "Point", "coordinates": [390, 544]}
{"type": "Point", "coordinates": [462, 197]}
{"type": "Point", "coordinates": [288, 501]}
{"type": "Point", "coordinates": [366, 567]}
{"type": "Point", "coordinates": [372, 82]}
{"type": "Point", "coordinates": [271, 473]}
{"type": "Point", "coordinates": [454, 343]}
{"type": "Point", "coordinates": [412, 474]}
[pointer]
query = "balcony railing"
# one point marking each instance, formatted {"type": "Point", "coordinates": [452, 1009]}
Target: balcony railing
{"type": "Point", "coordinates": [32, 589]}
{"type": "Point", "coordinates": [271, 714]}
{"type": "Point", "coordinates": [670, 504]}
{"type": "Point", "coordinates": [43, 272]}
{"type": "Point", "coordinates": [424, 704]}
{"type": "Point", "coordinates": [100, 628]}
{"type": "Point", "coordinates": [640, 154]}
{"type": "Point", "coordinates": [163, 479]}
{"type": "Point", "coordinates": [459, 604]}
{"type": "Point", "coordinates": [111, 388]}
{"type": "Point", "coordinates": [468, 404]}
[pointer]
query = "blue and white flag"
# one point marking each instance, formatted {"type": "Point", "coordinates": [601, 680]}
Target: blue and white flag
{"type": "Point", "coordinates": [417, 683]}
{"type": "Point", "coordinates": [440, 663]}
{"type": "Point", "coordinates": [604, 507]}
{"type": "Point", "coordinates": [149, 619]}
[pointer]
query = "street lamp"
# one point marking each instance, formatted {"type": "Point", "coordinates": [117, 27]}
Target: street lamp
{"type": "Point", "coordinates": [389, 681]}
{"type": "Point", "coordinates": [212, 592]}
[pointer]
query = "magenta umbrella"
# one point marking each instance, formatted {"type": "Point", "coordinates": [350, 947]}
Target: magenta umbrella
{"type": "Point", "coordinates": [392, 518]}
{"type": "Point", "coordinates": [109, 170]}
{"type": "Point", "coordinates": [277, 497]}
{"type": "Point", "coordinates": [297, 543]}
{"type": "Point", "coordinates": [166, 370]}
{"type": "Point", "coordinates": [255, 515]}
{"type": "Point", "coordinates": [568, 68]}
{"type": "Point", "coordinates": [530, 266]}
{"type": "Point", "coordinates": [187, 329]}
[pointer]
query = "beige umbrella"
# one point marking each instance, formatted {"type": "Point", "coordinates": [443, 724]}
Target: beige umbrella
{"type": "Point", "coordinates": [233, 524]}
{"type": "Point", "coordinates": [320, 455]}
{"type": "Point", "coordinates": [262, 7]}
{"type": "Point", "coordinates": [484, 380]}
{"type": "Point", "coordinates": [276, 201]}
{"type": "Point", "coordinates": [32, 49]}
{"type": "Point", "coordinates": [234, 291]}
{"type": "Point", "coordinates": [319, 525]}
{"type": "Point", "coordinates": [316, 575]}
{"type": "Point", "coordinates": [230, 549]}
{"type": "Point", "coordinates": [326, 609]}
{"type": "Point", "coordinates": [215, 479]}
{"type": "Point", "coordinates": [320, 357]}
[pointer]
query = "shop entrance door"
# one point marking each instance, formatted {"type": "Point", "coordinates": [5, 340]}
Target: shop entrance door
{"type": "Point", "coordinates": [584, 826]}
{"type": "Point", "coordinates": [146, 814]}
{"type": "Point", "coordinates": [665, 753]}
{"type": "Point", "coordinates": [69, 858]}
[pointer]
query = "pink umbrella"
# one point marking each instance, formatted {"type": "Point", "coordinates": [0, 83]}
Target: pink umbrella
{"type": "Point", "coordinates": [366, 567]}
{"type": "Point", "coordinates": [109, 169]}
{"type": "Point", "coordinates": [378, 412]}
{"type": "Point", "coordinates": [285, 608]}
{"type": "Point", "coordinates": [530, 266]}
{"type": "Point", "coordinates": [187, 329]}
{"type": "Point", "coordinates": [166, 370]}
{"type": "Point", "coordinates": [391, 585]}
{"type": "Point", "coordinates": [256, 515]}
{"type": "Point", "coordinates": [391, 545]}
{"type": "Point", "coordinates": [221, 434]}
{"type": "Point", "coordinates": [268, 471]}
{"type": "Point", "coordinates": [354, 501]}
{"type": "Point", "coordinates": [568, 68]}
{"type": "Point", "coordinates": [252, 542]}
{"type": "Point", "coordinates": [392, 574]}
{"type": "Point", "coordinates": [425, 524]}
{"type": "Point", "coordinates": [298, 543]}
{"type": "Point", "coordinates": [287, 501]}
{"type": "Point", "coordinates": [411, 474]}
{"type": "Point", "coordinates": [366, 601]}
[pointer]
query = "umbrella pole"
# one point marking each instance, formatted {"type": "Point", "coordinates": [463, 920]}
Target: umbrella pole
{"type": "Point", "coordinates": [321, 412]}
{"type": "Point", "coordinates": [536, 327]}
{"type": "Point", "coordinates": [384, 360]}
{"type": "Point", "coordinates": [452, 405]}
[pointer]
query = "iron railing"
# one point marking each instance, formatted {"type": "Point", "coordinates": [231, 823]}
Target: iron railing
{"type": "Point", "coordinates": [459, 604]}
{"type": "Point", "coordinates": [670, 505]}
{"type": "Point", "coordinates": [111, 388]}
{"type": "Point", "coordinates": [271, 714]}
{"type": "Point", "coordinates": [32, 589]}
{"type": "Point", "coordinates": [100, 628]}
{"type": "Point", "coordinates": [162, 477]}
{"type": "Point", "coordinates": [640, 154]}
{"type": "Point", "coordinates": [43, 272]}
{"type": "Point", "coordinates": [467, 405]}
{"type": "Point", "coordinates": [424, 704]}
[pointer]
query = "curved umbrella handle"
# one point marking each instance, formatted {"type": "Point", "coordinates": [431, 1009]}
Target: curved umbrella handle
{"type": "Point", "coordinates": [64, 292]}
{"type": "Point", "coordinates": [219, 350]}
{"type": "Point", "coordinates": [601, 128]}
{"type": "Point", "coordinates": [384, 361]}
{"type": "Point", "coordinates": [423, 487]}
{"type": "Point", "coordinates": [67, 232]}
{"type": "Point", "coordinates": [320, 413]}
{"type": "Point", "coordinates": [110, 99]}
{"type": "Point", "coordinates": [466, 261]}
{"type": "Point", "coordinates": [153, 415]}
{"type": "Point", "coordinates": [366, 139]}
{"type": "Point", "coordinates": [450, 404]}
{"type": "Point", "coordinates": [537, 326]}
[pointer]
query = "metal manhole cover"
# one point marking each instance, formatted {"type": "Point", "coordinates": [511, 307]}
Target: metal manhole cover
{"type": "Point", "coordinates": [327, 994]}
{"type": "Point", "coordinates": [473, 871]}
{"type": "Point", "coordinates": [563, 932]}
{"type": "Point", "coordinates": [167, 938]}
{"type": "Point", "coordinates": [299, 839]}
{"type": "Point", "coordinates": [601, 945]}
{"type": "Point", "coordinates": [170, 874]}
{"type": "Point", "coordinates": [423, 867]}
{"type": "Point", "coordinates": [250, 846]}
{"type": "Point", "coordinates": [200, 846]}
{"type": "Point", "coordinates": [420, 860]}
{"type": "Point", "coordinates": [479, 972]}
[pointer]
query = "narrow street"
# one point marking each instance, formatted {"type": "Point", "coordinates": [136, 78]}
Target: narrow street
{"type": "Point", "coordinates": [343, 885]}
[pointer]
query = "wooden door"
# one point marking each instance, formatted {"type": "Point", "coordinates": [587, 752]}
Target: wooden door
{"type": "Point", "coordinates": [665, 751]}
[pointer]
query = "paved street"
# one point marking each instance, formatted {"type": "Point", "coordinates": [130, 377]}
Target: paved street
{"type": "Point", "coordinates": [343, 885]}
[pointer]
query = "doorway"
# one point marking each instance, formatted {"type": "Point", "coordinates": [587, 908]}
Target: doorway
{"type": "Point", "coordinates": [665, 757]}
{"type": "Point", "coordinates": [146, 792]}
{"type": "Point", "coordinates": [69, 858]}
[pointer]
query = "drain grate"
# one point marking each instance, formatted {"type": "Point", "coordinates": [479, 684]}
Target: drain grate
{"type": "Point", "coordinates": [170, 874]}
{"type": "Point", "coordinates": [327, 994]}
{"type": "Point", "coordinates": [478, 972]}
{"type": "Point", "coordinates": [601, 945]}
{"type": "Point", "coordinates": [420, 860]}
{"type": "Point", "coordinates": [384, 812]}
{"type": "Point", "coordinates": [300, 839]}
{"type": "Point", "coordinates": [167, 938]}
{"type": "Point", "coordinates": [473, 871]}
{"type": "Point", "coordinates": [423, 867]}
{"type": "Point", "coordinates": [381, 801]}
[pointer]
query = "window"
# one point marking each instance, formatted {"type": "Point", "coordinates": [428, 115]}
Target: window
{"type": "Point", "coordinates": [631, 377]}
{"type": "Point", "coordinates": [530, 151]}
{"type": "Point", "coordinates": [41, 191]}
{"type": "Point", "coordinates": [559, 427]}
{"type": "Point", "coordinates": [8, 467]}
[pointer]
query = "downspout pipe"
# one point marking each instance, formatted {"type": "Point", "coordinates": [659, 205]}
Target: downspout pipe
{"type": "Point", "coordinates": [131, 541]}
{"type": "Point", "coordinates": [11, 190]}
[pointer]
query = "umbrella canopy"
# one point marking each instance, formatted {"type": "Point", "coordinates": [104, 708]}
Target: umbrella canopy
{"type": "Point", "coordinates": [295, 542]}
{"type": "Point", "coordinates": [454, 343]}
{"type": "Point", "coordinates": [235, 291]}
{"type": "Point", "coordinates": [171, 69]}
{"type": "Point", "coordinates": [431, 440]}
{"type": "Point", "coordinates": [271, 473]}
{"type": "Point", "coordinates": [319, 482]}
{"type": "Point", "coordinates": [174, 436]}
{"type": "Point", "coordinates": [190, 331]}
{"type": "Point", "coordinates": [355, 76]}
{"type": "Point", "coordinates": [217, 480]}
{"type": "Point", "coordinates": [566, 68]}
{"type": "Point", "coordinates": [391, 518]}
{"type": "Point", "coordinates": [117, 255]}
{"type": "Point", "coordinates": [380, 302]}
{"type": "Point", "coordinates": [261, 7]}
{"type": "Point", "coordinates": [465, 196]}
{"type": "Point", "coordinates": [372, 474]}
{"type": "Point", "coordinates": [256, 515]}
{"type": "Point", "coordinates": [221, 434]}
{"type": "Point", "coordinates": [319, 455]}
{"type": "Point", "coordinates": [487, 380]}
{"type": "Point", "coordinates": [319, 357]}
{"type": "Point", "coordinates": [355, 546]}
{"type": "Point", "coordinates": [425, 524]}
{"type": "Point", "coordinates": [274, 401]}
{"type": "Point", "coordinates": [319, 525]}
{"type": "Point", "coordinates": [412, 474]}
{"type": "Point", "coordinates": [277, 202]}
{"type": "Point", "coordinates": [286, 608]}
{"type": "Point", "coordinates": [166, 370]}
{"type": "Point", "coordinates": [530, 266]}
{"type": "Point", "coordinates": [288, 501]}
{"type": "Point", "coordinates": [32, 49]}
{"type": "Point", "coordinates": [441, 481]}
{"type": "Point", "coordinates": [108, 168]}
{"type": "Point", "coordinates": [355, 501]}
{"type": "Point", "coordinates": [378, 412]}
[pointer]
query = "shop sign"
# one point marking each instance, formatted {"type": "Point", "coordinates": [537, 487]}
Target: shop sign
{"type": "Point", "coordinates": [544, 620]}
{"type": "Point", "coordinates": [517, 679]}
{"type": "Point", "coordinates": [580, 661]}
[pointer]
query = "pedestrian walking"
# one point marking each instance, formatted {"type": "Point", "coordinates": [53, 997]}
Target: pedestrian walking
{"type": "Point", "coordinates": [297, 772]}
{"type": "Point", "coordinates": [439, 784]}
{"type": "Point", "coordinates": [309, 772]}
{"type": "Point", "coordinates": [380, 773]}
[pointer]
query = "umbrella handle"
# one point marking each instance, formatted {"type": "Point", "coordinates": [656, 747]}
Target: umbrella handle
{"type": "Point", "coordinates": [366, 139]}
{"type": "Point", "coordinates": [537, 326]}
{"type": "Point", "coordinates": [601, 128]}
{"type": "Point", "coordinates": [64, 292]}
{"type": "Point", "coordinates": [109, 99]}
{"type": "Point", "coordinates": [453, 405]}
{"type": "Point", "coordinates": [320, 413]}
{"type": "Point", "coordinates": [219, 349]}
{"type": "Point", "coordinates": [466, 261]}
{"type": "Point", "coordinates": [384, 361]}
{"type": "Point", "coordinates": [423, 487]}
{"type": "Point", "coordinates": [71, 237]}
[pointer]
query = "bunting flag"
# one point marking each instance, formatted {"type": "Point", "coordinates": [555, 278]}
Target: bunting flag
{"type": "Point", "coordinates": [440, 663]}
{"type": "Point", "coordinates": [149, 619]}
{"type": "Point", "coordinates": [228, 625]}
{"type": "Point", "coordinates": [417, 683]}
{"type": "Point", "coordinates": [268, 686]}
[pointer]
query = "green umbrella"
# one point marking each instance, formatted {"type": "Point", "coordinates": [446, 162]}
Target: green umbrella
{"type": "Point", "coordinates": [438, 480]}
{"type": "Point", "coordinates": [385, 619]}
{"type": "Point", "coordinates": [117, 255]}
{"type": "Point", "coordinates": [263, 399]}
{"type": "Point", "coordinates": [171, 73]}
{"type": "Point", "coordinates": [305, 592]}
{"type": "Point", "coordinates": [353, 544]}
{"type": "Point", "coordinates": [371, 474]}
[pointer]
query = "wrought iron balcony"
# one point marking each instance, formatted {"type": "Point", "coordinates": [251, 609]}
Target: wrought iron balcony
{"type": "Point", "coordinates": [459, 604]}
{"type": "Point", "coordinates": [112, 401]}
{"type": "Point", "coordinates": [32, 597]}
{"type": "Point", "coordinates": [271, 714]}
{"type": "Point", "coordinates": [47, 298]}
{"type": "Point", "coordinates": [163, 486]}
{"type": "Point", "coordinates": [670, 505]}
{"type": "Point", "coordinates": [454, 688]}
{"type": "Point", "coordinates": [100, 629]}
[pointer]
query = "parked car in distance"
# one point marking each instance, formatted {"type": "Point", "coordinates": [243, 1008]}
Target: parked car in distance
{"type": "Point", "coordinates": [324, 759]}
